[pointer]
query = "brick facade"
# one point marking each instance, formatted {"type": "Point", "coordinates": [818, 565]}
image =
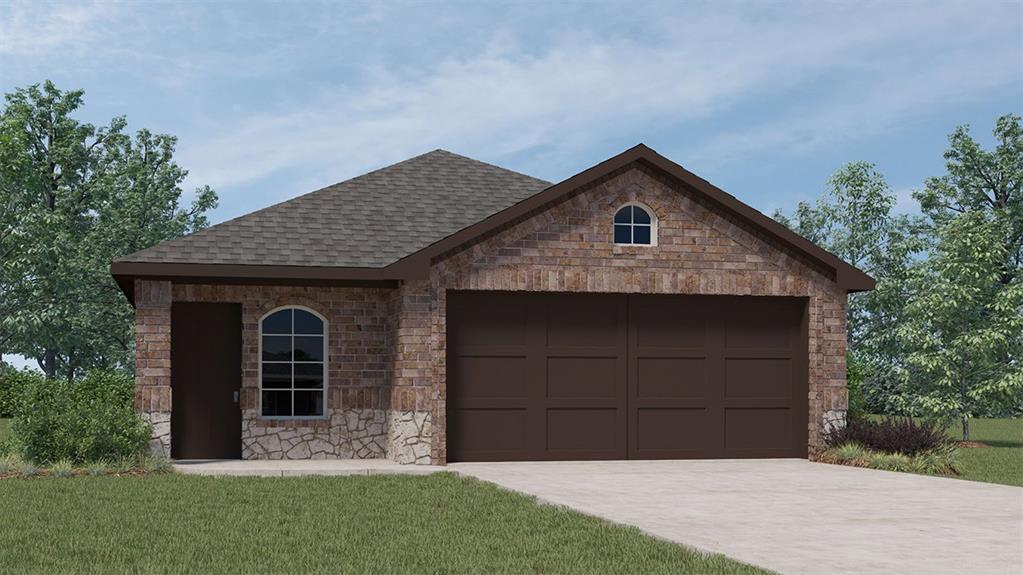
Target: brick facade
{"type": "Point", "coordinates": [152, 360]}
{"type": "Point", "coordinates": [568, 248]}
{"type": "Point", "coordinates": [387, 373]}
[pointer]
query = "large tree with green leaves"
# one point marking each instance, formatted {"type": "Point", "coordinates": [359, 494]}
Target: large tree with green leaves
{"type": "Point", "coordinates": [966, 320]}
{"type": "Point", "coordinates": [73, 196]}
{"type": "Point", "coordinates": [854, 220]}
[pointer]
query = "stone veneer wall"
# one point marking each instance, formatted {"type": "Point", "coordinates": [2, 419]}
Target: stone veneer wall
{"type": "Point", "coordinates": [569, 248]}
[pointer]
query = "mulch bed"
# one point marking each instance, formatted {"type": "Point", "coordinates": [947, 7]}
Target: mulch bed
{"type": "Point", "coordinates": [971, 444]}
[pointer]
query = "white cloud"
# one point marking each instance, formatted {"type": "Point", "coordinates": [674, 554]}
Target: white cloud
{"type": "Point", "coordinates": [586, 88]}
{"type": "Point", "coordinates": [28, 31]}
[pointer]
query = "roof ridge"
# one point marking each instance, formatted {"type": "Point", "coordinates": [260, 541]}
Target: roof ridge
{"type": "Point", "coordinates": [334, 188]}
{"type": "Point", "coordinates": [488, 164]}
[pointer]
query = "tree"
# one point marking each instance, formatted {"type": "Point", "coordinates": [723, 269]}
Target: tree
{"type": "Point", "coordinates": [989, 182]}
{"type": "Point", "coordinates": [967, 314]}
{"type": "Point", "coordinates": [964, 324]}
{"type": "Point", "coordinates": [74, 197]}
{"type": "Point", "coordinates": [854, 221]}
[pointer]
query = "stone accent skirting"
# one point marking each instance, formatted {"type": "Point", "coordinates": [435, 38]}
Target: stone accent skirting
{"type": "Point", "coordinates": [160, 437]}
{"type": "Point", "coordinates": [834, 419]}
{"type": "Point", "coordinates": [403, 436]}
{"type": "Point", "coordinates": [348, 434]}
{"type": "Point", "coordinates": [410, 438]}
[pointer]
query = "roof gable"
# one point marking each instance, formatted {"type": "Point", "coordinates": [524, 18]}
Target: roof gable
{"type": "Point", "coordinates": [847, 276]}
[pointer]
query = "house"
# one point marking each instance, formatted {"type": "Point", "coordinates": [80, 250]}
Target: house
{"type": "Point", "coordinates": [443, 309]}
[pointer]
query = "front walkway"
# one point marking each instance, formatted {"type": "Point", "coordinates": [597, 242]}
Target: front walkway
{"type": "Point", "coordinates": [287, 468]}
{"type": "Point", "coordinates": [792, 516]}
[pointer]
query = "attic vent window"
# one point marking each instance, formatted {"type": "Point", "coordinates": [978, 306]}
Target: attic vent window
{"type": "Point", "coordinates": [635, 226]}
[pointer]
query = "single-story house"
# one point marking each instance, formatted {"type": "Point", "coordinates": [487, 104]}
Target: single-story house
{"type": "Point", "coordinates": [443, 309]}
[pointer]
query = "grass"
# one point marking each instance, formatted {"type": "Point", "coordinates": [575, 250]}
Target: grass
{"type": "Point", "coordinates": [362, 524]}
{"type": "Point", "coordinates": [1002, 462]}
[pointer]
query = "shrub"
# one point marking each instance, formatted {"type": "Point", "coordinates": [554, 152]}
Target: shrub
{"type": "Point", "coordinates": [12, 386]}
{"type": "Point", "coordinates": [9, 463]}
{"type": "Point", "coordinates": [890, 435]}
{"type": "Point", "coordinates": [80, 421]}
{"type": "Point", "coordinates": [63, 468]}
{"type": "Point", "coordinates": [941, 461]}
{"type": "Point", "coordinates": [97, 468]}
{"type": "Point", "coordinates": [27, 469]}
{"type": "Point", "coordinates": [888, 461]}
{"type": "Point", "coordinates": [849, 452]}
{"type": "Point", "coordinates": [142, 464]}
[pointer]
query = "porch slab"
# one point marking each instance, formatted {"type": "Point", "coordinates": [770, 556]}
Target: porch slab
{"type": "Point", "coordinates": [294, 468]}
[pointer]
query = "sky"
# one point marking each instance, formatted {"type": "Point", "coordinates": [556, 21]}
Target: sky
{"type": "Point", "coordinates": [764, 99]}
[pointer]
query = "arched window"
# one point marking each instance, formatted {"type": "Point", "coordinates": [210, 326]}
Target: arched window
{"type": "Point", "coordinates": [293, 363]}
{"type": "Point", "coordinates": [635, 225]}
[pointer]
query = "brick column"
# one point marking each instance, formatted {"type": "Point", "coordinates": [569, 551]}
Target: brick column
{"type": "Point", "coordinates": [412, 385]}
{"type": "Point", "coordinates": [153, 360]}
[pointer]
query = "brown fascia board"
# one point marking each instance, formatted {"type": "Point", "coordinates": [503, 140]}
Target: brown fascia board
{"type": "Point", "coordinates": [847, 277]}
{"type": "Point", "coordinates": [125, 274]}
{"type": "Point", "coordinates": [417, 265]}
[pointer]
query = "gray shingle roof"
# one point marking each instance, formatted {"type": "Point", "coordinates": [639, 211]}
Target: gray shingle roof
{"type": "Point", "coordinates": [369, 221]}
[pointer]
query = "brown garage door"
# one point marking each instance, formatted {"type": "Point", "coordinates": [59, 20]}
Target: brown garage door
{"type": "Point", "coordinates": [599, 376]}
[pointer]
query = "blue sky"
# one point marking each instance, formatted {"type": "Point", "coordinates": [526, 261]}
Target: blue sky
{"type": "Point", "coordinates": [764, 99]}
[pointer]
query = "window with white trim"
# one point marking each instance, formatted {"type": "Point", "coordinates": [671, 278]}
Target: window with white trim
{"type": "Point", "coordinates": [293, 363]}
{"type": "Point", "coordinates": [634, 225]}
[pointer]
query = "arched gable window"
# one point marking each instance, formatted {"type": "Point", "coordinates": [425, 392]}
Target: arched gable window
{"type": "Point", "coordinates": [293, 363]}
{"type": "Point", "coordinates": [635, 225]}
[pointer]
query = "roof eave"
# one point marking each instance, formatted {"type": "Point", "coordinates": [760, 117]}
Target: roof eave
{"type": "Point", "coordinates": [125, 274]}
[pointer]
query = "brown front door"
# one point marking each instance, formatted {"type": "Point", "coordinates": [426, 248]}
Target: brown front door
{"type": "Point", "coordinates": [536, 376]}
{"type": "Point", "coordinates": [205, 380]}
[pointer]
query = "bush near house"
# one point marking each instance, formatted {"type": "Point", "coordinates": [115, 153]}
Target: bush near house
{"type": "Point", "coordinates": [893, 444]}
{"type": "Point", "coordinates": [903, 435]}
{"type": "Point", "coordinates": [85, 420]}
{"type": "Point", "coordinates": [12, 383]}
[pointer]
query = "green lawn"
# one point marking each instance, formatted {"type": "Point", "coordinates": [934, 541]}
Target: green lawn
{"type": "Point", "coordinates": [1000, 463]}
{"type": "Point", "coordinates": [364, 524]}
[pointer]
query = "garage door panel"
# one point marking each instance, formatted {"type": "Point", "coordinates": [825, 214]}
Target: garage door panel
{"type": "Point", "coordinates": [593, 430]}
{"type": "Point", "coordinates": [758, 377]}
{"type": "Point", "coordinates": [670, 431]}
{"type": "Point", "coordinates": [760, 323]}
{"type": "Point", "coordinates": [583, 377]}
{"type": "Point", "coordinates": [669, 322]}
{"type": "Point", "coordinates": [494, 319]}
{"type": "Point", "coordinates": [671, 377]}
{"type": "Point", "coordinates": [758, 428]}
{"type": "Point", "coordinates": [488, 430]}
{"type": "Point", "coordinates": [581, 321]}
{"type": "Point", "coordinates": [490, 377]}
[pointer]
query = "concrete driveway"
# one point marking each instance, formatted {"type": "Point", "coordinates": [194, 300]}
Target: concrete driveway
{"type": "Point", "coordinates": [791, 515]}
